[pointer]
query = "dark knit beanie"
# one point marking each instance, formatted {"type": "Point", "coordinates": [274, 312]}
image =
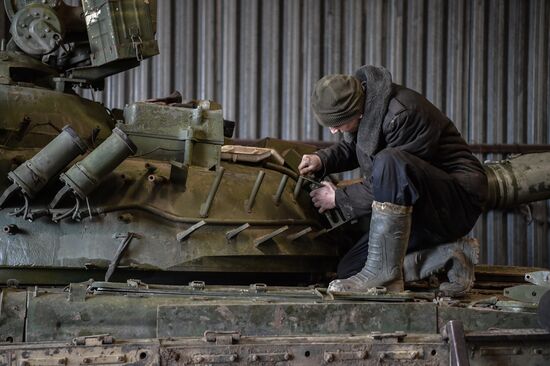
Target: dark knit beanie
{"type": "Point", "coordinates": [336, 99]}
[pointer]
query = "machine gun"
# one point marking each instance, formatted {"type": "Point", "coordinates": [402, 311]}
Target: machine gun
{"type": "Point", "coordinates": [83, 43]}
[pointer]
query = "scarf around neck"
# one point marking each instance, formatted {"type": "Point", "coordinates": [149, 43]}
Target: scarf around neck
{"type": "Point", "coordinates": [377, 83]}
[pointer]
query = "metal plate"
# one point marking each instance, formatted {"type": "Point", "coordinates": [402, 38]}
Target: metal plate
{"type": "Point", "coordinates": [12, 315]}
{"type": "Point", "coordinates": [295, 319]}
{"type": "Point", "coordinates": [483, 319]}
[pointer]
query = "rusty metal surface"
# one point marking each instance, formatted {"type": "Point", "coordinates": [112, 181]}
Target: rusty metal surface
{"type": "Point", "coordinates": [297, 319]}
{"type": "Point", "coordinates": [165, 311]}
{"type": "Point", "coordinates": [227, 348]}
{"type": "Point", "coordinates": [515, 273]}
{"type": "Point", "coordinates": [477, 319]}
{"type": "Point", "coordinates": [127, 202]}
{"type": "Point", "coordinates": [13, 310]}
{"type": "Point", "coordinates": [231, 347]}
{"type": "Point", "coordinates": [188, 311]}
{"type": "Point", "coordinates": [314, 351]}
{"type": "Point", "coordinates": [249, 324]}
{"type": "Point", "coordinates": [93, 351]}
{"type": "Point", "coordinates": [488, 348]}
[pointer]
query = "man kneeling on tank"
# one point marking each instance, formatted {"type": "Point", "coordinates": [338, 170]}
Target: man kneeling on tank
{"type": "Point", "coordinates": [421, 186]}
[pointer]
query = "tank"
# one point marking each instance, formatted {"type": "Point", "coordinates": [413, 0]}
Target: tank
{"type": "Point", "coordinates": [148, 236]}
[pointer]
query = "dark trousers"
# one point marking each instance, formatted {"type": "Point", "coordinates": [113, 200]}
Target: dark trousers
{"type": "Point", "coordinates": [442, 209]}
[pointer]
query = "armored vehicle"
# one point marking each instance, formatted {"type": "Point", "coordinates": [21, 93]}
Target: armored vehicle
{"type": "Point", "coordinates": [146, 236]}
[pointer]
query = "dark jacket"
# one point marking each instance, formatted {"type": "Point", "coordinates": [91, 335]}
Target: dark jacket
{"type": "Point", "coordinates": [411, 123]}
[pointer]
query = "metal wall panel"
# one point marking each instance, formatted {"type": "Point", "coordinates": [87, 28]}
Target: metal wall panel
{"type": "Point", "coordinates": [484, 63]}
{"type": "Point", "coordinates": [4, 26]}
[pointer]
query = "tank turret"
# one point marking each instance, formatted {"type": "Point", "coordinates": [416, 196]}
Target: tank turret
{"type": "Point", "coordinates": [57, 49]}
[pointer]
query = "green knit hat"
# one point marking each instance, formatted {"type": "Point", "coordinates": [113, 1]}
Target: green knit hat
{"type": "Point", "coordinates": [336, 99]}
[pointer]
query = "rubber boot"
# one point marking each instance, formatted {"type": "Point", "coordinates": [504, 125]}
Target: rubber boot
{"type": "Point", "coordinates": [457, 259]}
{"type": "Point", "coordinates": [390, 228]}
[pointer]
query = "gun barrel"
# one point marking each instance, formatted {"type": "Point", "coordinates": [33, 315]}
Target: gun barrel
{"type": "Point", "coordinates": [521, 179]}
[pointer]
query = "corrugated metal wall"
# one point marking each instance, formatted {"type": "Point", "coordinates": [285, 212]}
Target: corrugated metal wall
{"type": "Point", "coordinates": [4, 25]}
{"type": "Point", "coordinates": [484, 63]}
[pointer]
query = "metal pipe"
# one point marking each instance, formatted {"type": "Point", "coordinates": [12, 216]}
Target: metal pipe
{"type": "Point", "coordinates": [156, 179]}
{"type": "Point", "coordinates": [518, 180]}
{"type": "Point", "coordinates": [280, 190]}
{"type": "Point", "coordinates": [281, 169]}
{"type": "Point", "coordinates": [10, 229]}
{"type": "Point", "coordinates": [188, 220]}
{"type": "Point", "coordinates": [205, 207]}
{"type": "Point", "coordinates": [255, 189]}
{"type": "Point", "coordinates": [298, 187]}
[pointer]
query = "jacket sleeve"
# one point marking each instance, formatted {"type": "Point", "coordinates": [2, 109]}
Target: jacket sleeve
{"type": "Point", "coordinates": [338, 158]}
{"type": "Point", "coordinates": [413, 132]}
{"type": "Point", "coordinates": [355, 200]}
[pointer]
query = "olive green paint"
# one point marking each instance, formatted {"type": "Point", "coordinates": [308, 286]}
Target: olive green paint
{"type": "Point", "coordinates": [13, 309]}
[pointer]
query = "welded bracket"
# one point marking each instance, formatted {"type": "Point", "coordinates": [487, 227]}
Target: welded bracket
{"type": "Point", "coordinates": [231, 234]}
{"type": "Point", "coordinates": [540, 278]}
{"type": "Point", "coordinates": [93, 340]}
{"type": "Point", "coordinates": [526, 293]}
{"type": "Point", "coordinates": [267, 237]}
{"type": "Point", "coordinates": [299, 234]}
{"type": "Point", "coordinates": [120, 252]}
{"type": "Point", "coordinates": [222, 337]}
{"type": "Point", "coordinates": [181, 236]}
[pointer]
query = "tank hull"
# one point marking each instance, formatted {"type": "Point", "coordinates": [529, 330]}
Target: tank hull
{"type": "Point", "coordinates": [139, 323]}
{"type": "Point", "coordinates": [128, 202]}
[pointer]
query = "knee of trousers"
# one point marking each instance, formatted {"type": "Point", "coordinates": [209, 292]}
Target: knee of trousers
{"type": "Point", "coordinates": [389, 160]}
{"type": "Point", "coordinates": [391, 177]}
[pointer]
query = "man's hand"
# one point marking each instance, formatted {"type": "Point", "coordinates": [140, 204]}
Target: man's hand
{"type": "Point", "coordinates": [324, 198]}
{"type": "Point", "coordinates": [310, 163]}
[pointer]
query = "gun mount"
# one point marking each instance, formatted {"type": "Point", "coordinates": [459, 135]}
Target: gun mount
{"type": "Point", "coordinates": [85, 43]}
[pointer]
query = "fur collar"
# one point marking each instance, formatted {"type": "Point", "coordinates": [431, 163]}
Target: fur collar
{"type": "Point", "coordinates": [377, 83]}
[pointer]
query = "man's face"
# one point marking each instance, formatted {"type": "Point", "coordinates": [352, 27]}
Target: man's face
{"type": "Point", "coordinates": [350, 126]}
